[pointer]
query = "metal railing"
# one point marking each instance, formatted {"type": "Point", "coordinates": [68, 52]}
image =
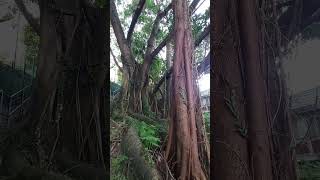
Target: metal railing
{"type": "Point", "coordinates": [308, 99]}
{"type": "Point", "coordinates": [1, 100]}
{"type": "Point", "coordinates": [13, 106]}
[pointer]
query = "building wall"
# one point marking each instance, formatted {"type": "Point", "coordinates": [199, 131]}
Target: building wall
{"type": "Point", "coordinates": [205, 100]}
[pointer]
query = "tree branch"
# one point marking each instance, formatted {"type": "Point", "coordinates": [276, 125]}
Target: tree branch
{"type": "Point", "coordinates": [153, 34]}
{"type": "Point", "coordinates": [193, 6]}
{"type": "Point", "coordinates": [285, 4]}
{"type": "Point", "coordinates": [118, 31]}
{"type": "Point", "coordinates": [164, 77]}
{"type": "Point", "coordinates": [170, 35]}
{"type": "Point", "coordinates": [161, 45]}
{"type": "Point", "coordinates": [139, 10]}
{"type": "Point", "coordinates": [202, 67]}
{"type": "Point", "coordinates": [6, 17]}
{"type": "Point", "coordinates": [115, 60]}
{"type": "Point", "coordinates": [309, 15]}
{"type": "Point", "coordinates": [199, 39]}
{"type": "Point", "coordinates": [202, 35]}
{"type": "Point", "coordinates": [33, 22]}
{"type": "Point", "coordinates": [135, 19]}
{"type": "Point", "coordinates": [314, 18]}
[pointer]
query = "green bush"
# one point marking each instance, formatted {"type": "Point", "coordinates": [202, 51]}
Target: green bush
{"type": "Point", "coordinates": [206, 117]}
{"type": "Point", "coordinates": [148, 135]}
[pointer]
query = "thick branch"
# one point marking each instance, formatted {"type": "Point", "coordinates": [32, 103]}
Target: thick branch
{"type": "Point", "coordinates": [202, 35]}
{"type": "Point", "coordinates": [193, 6]}
{"type": "Point", "coordinates": [161, 45]}
{"type": "Point", "coordinates": [33, 22]}
{"type": "Point", "coordinates": [201, 68]}
{"type": "Point", "coordinates": [285, 4]}
{"type": "Point", "coordinates": [309, 16]}
{"type": "Point", "coordinates": [166, 76]}
{"type": "Point", "coordinates": [115, 61]}
{"type": "Point", "coordinates": [135, 19]}
{"type": "Point", "coordinates": [204, 63]}
{"type": "Point", "coordinates": [154, 31]}
{"type": "Point", "coordinates": [199, 39]}
{"type": "Point", "coordinates": [314, 18]}
{"type": "Point", "coordinates": [118, 31]}
{"type": "Point", "coordinates": [6, 17]}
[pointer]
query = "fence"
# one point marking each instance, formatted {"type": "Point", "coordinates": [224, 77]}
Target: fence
{"type": "Point", "coordinates": [13, 106]}
{"type": "Point", "coordinates": [305, 100]}
{"type": "Point", "coordinates": [306, 122]}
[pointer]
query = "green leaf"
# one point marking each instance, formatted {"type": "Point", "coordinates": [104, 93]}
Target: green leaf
{"type": "Point", "coordinates": [150, 4]}
{"type": "Point", "coordinates": [101, 3]}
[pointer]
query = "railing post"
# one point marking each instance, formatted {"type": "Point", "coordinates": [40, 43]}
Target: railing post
{"type": "Point", "coordinates": [1, 101]}
{"type": "Point", "coordinates": [10, 102]}
{"type": "Point", "coordinates": [317, 95]}
{"type": "Point", "coordinates": [290, 101]}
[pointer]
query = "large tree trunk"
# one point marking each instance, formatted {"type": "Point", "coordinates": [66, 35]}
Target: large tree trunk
{"type": "Point", "coordinates": [230, 143]}
{"type": "Point", "coordinates": [260, 156]}
{"type": "Point", "coordinates": [258, 126]}
{"type": "Point", "coordinates": [134, 97]}
{"type": "Point", "coordinates": [70, 78]}
{"type": "Point", "coordinates": [183, 145]}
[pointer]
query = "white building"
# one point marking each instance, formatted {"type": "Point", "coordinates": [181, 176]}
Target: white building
{"type": "Point", "coordinates": [205, 100]}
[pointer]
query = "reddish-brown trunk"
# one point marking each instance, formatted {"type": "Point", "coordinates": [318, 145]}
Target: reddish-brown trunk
{"type": "Point", "coordinates": [183, 144]}
{"type": "Point", "coordinates": [265, 157]}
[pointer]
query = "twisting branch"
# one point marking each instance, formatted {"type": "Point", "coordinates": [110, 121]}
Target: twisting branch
{"type": "Point", "coordinates": [201, 68]}
{"type": "Point", "coordinates": [6, 17]}
{"type": "Point", "coordinates": [118, 31]}
{"type": "Point", "coordinates": [154, 31]}
{"type": "Point", "coordinates": [161, 45]}
{"type": "Point", "coordinates": [29, 17]}
{"type": "Point", "coordinates": [204, 64]}
{"type": "Point", "coordinates": [135, 19]}
{"type": "Point", "coordinates": [193, 6]}
{"type": "Point", "coordinates": [124, 43]}
{"type": "Point", "coordinates": [170, 35]}
{"type": "Point", "coordinates": [202, 35]}
{"type": "Point", "coordinates": [313, 18]}
{"type": "Point", "coordinates": [115, 60]}
{"type": "Point", "coordinates": [285, 4]}
{"type": "Point", "coordinates": [164, 77]}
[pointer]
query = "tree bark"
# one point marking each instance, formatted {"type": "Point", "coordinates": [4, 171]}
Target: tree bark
{"type": "Point", "coordinates": [230, 146]}
{"type": "Point", "coordinates": [264, 156]}
{"type": "Point", "coordinates": [184, 144]}
{"type": "Point", "coordinates": [66, 108]}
